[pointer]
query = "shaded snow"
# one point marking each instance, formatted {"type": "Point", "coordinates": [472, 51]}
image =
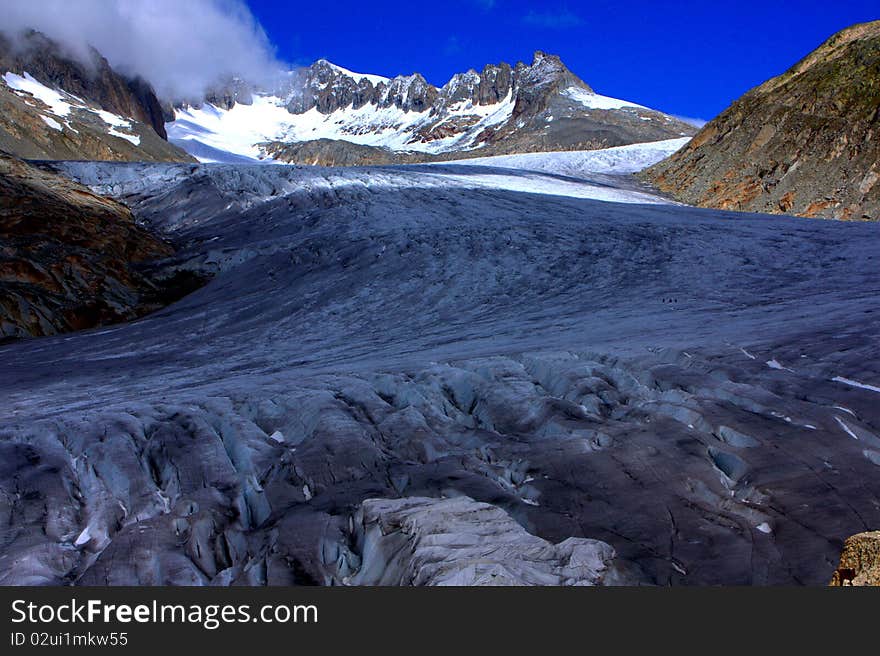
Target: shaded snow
{"type": "Point", "coordinates": [846, 428]}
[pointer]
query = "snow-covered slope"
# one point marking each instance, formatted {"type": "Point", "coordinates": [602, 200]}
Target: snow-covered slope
{"type": "Point", "coordinates": [593, 100]}
{"type": "Point", "coordinates": [242, 130]}
{"type": "Point", "coordinates": [39, 121]}
{"type": "Point", "coordinates": [54, 105]}
{"type": "Point", "coordinates": [620, 159]}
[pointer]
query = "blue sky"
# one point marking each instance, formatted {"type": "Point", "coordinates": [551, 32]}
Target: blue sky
{"type": "Point", "coordinates": [687, 58]}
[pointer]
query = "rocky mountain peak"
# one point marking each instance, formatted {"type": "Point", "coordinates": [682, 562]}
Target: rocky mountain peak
{"type": "Point", "coordinates": [408, 93]}
{"type": "Point", "coordinates": [228, 94]}
{"type": "Point", "coordinates": [548, 70]}
{"type": "Point", "coordinates": [328, 87]}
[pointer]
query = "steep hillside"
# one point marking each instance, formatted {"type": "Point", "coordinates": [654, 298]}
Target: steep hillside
{"type": "Point", "coordinates": [53, 106]}
{"type": "Point", "coordinates": [806, 142]}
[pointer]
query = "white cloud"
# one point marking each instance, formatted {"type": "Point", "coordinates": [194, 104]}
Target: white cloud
{"type": "Point", "coordinates": [181, 46]}
{"type": "Point", "coordinates": [696, 122]}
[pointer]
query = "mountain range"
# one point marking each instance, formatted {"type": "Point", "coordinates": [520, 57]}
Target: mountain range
{"type": "Point", "coordinates": [325, 114]}
{"type": "Point", "coordinates": [802, 143]}
{"type": "Point", "coordinates": [57, 107]}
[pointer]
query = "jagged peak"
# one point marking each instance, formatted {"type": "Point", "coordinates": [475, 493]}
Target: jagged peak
{"type": "Point", "coordinates": [327, 65]}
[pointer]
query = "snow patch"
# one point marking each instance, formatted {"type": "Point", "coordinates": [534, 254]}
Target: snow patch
{"type": "Point", "coordinates": [83, 538]}
{"type": "Point", "coordinates": [374, 79]}
{"type": "Point", "coordinates": [846, 428]}
{"type": "Point", "coordinates": [133, 138]}
{"type": "Point", "coordinates": [112, 120]}
{"type": "Point", "coordinates": [52, 123]}
{"type": "Point", "coordinates": [748, 355]}
{"type": "Point", "coordinates": [553, 186]}
{"type": "Point", "coordinates": [50, 97]}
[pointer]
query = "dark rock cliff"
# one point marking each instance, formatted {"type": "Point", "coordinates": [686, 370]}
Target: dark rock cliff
{"type": "Point", "coordinates": [68, 257]}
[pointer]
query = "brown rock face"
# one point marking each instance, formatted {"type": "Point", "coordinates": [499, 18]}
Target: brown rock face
{"type": "Point", "coordinates": [67, 256]}
{"type": "Point", "coordinates": [806, 142]}
{"type": "Point", "coordinates": [859, 562]}
{"type": "Point", "coordinates": [332, 152]}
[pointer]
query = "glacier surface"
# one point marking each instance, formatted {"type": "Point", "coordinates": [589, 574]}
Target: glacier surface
{"type": "Point", "coordinates": [590, 374]}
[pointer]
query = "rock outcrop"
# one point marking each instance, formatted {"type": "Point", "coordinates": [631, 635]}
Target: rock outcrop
{"type": "Point", "coordinates": [859, 562]}
{"type": "Point", "coordinates": [806, 142]}
{"type": "Point", "coordinates": [68, 257]}
{"type": "Point", "coordinates": [459, 541]}
{"type": "Point", "coordinates": [335, 152]}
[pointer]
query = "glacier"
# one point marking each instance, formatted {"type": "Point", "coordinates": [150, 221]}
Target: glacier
{"type": "Point", "coordinates": [562, 352]}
